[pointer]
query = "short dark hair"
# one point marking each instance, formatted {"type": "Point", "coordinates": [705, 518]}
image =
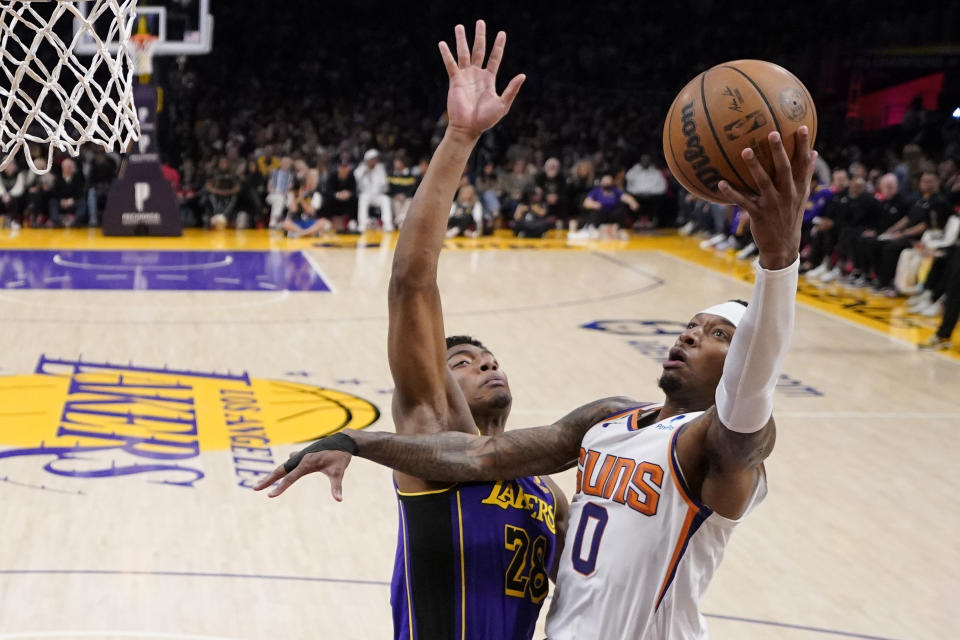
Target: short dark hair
{"type": "Point", "coordinates": [739, 301]}
{"type": "Point", "coordinates": [453, 341]}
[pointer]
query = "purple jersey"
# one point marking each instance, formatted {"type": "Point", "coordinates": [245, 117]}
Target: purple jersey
{"type": "Point", "coordinates": [473, 561]}
{"type": "Point", "coordinates": [817, 202]}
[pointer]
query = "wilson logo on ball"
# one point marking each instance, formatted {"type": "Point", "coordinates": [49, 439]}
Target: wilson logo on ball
{"type": "Point", "coordinates": [726, 109]}
{"type": "Point", "coordinates": [695, 153]}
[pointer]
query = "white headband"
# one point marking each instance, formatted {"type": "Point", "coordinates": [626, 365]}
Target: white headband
{"type": "Point", "coordinates": [732, 312]}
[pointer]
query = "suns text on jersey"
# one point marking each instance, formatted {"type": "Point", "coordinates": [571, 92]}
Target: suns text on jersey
{"type": "Point", "coordinates": [623, 480]}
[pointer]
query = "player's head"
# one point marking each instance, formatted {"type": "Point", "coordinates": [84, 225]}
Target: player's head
{"type": "Point", "coordinates": [371, 158]}
{"type": "Point", "coordinates": [476, 370]}
{"type": "Point", "coordinates": [606, 181]}
{"type": "Point", "coordinates": [695, 363]}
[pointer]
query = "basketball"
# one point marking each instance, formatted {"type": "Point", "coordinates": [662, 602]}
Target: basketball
{"type": "Point", "coordinates": [725, 109]}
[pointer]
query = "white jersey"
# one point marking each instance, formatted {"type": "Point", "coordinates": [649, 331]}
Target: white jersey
{"type": "Point", "coordinates": [640, 550]}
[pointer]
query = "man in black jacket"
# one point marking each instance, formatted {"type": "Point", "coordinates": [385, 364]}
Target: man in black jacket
{"type": "Point", "coordinates": [69, 196]}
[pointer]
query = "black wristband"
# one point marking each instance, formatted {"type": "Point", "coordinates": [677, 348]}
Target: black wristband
{"type": "Point", "coordinates": [336, 442]}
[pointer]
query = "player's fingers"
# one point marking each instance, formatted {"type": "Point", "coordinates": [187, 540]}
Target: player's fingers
{"type": "Point", "coordinates": [496, 54]}
{"type": "Point", "coordinates": [741, 200]}
{"type": "Point", "coordinates": [278, 473]}
{"type": "Point", "coordinates": [811, 168]}
{"type": "Point", "coordinates": [287, 480]}
{"type": "Point", "coordinates": [479, 43]}
{"type": "Point", "coordinates": [463, 51]}
{"type": "Point", "coordinates": [448, 61]}
{"type": "Point", "coordinates": [760, 176]}
{"type": "Point", "coordinates": [783, 175]}
{"type": "Point", "coordinates": [510, 93]}
{"type": "Point", "coordinates": [801, 153]}
{"type": "Point", "coordinates": [336, 482]}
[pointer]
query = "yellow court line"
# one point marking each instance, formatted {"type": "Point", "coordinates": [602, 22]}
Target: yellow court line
{"type": "Point", "coordinates": [885, 315]}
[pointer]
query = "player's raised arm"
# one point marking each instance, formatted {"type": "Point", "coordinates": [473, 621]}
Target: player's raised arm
{"type": "Point", "coordinates": [427, 399]}
{"type": "Point", "coordinates": [721, 452]}
{"type": "Point", "coordinates": [451, 456]}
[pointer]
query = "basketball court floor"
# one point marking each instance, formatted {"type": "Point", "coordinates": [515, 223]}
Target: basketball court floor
{"type": "Point", "coordinates": [145, 385]}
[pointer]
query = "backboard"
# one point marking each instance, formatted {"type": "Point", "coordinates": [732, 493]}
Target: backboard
{"type": "Point", "coordinates": [184, 27]}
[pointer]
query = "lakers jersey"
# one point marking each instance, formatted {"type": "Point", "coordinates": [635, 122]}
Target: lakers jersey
{"type": "Point", "coordinates": [640, 550]}
{"type": "Point", "coordinates": [473, 561]}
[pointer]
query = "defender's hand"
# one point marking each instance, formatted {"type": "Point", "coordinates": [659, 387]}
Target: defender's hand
{"type": "Point", "coordinates": [331, 463]}
{"type": "Point", "coordinates": [473, 105]}
{"type": "Point", "coordinates": [777, 213]}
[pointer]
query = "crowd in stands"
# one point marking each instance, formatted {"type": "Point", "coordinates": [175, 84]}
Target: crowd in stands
{"type": "Point", "coordinates": [893, 229]}
{"type": "Point", "coordinates": [313, 140]}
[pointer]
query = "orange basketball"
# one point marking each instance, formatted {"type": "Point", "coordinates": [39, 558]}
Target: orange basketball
{"type": "Point", "coordinates": [725, 109]}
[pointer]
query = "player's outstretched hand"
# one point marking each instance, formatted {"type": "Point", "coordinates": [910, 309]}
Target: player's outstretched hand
{"type": "Point", "coordinates": [473, 105]}
{"type": "Point", "coordinates": [332, 463]}
{"type": "Point", "coordinates": [776, 214]}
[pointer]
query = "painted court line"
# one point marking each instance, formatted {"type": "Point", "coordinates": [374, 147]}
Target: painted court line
{"type": "Point", "coordinates": [60, 261]}
{"type": "Point", "coordinates": [107, 634]}
{"type": "Point", "coordinates": [375, 583]}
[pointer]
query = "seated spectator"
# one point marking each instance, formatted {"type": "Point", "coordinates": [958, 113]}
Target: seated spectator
{"type": "Point", "coordinates": [303, 217]}
{"type": "Point", "coordinates": [531, 217]}
{"type": "Point", "coordinates": [940, 246]}
{"type": "Point", "coordinates": [341, 200]}
{"type": "Point", "coordinates": [607, 205]}
{"type": "Point", "coordinates": [840, 181]}
{"type": "Point", "coordinates": [402, 184]}
{"type": "Point", "coordinates": [102, 172]}
{"type": "Point", "coordinates": [647, 185]}
{"type": "Point", "coordinates": [852, 212]}
{"type": "Point", "coordinates": [930, 211]}
{"type": "Point", "coordinates": [220, 194]}
{"type": "Point", "coordinates": [69, 197]}
{"type": "Point", "coordinates": [13, 190]}
{"type": "Point", "coordinates": [371, 180]}
{"type": "Point", "coordinates": [39, 194]}
{"type": "Point", "coordinates": [279, 188]}
{"type": "Point", "coordinates": [579, 185]}
{"type": "Point", "coordinates": [466, 214]}
{"type": "Point", "coordinates": [490, 187]}
{"type": "Point", "coordinates": [893, 206]}
{"type": "Point", "coordinates": [554, 187]}
{"type": "Point", "coordinates": [253, 193]}
{"type": "Point", "coordinates": [515, 183]}
{"type": "Point", "coordinates": [189, 194]}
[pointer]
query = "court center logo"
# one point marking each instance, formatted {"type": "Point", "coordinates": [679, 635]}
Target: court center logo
{"type": "Point", "coordinates": [79, 419]}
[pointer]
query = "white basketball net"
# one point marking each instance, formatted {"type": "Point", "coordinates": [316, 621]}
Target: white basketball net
{"type": "Point", "coordinates": [51, 98]}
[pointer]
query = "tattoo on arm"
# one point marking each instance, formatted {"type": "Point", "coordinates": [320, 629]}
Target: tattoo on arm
{"type": "Point", "coordinates": [459, 457]}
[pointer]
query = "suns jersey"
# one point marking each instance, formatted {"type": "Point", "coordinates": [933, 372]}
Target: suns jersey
{"type": "Point", "coordinates": [640, 550]}
{"type": "Point", "coordinates": [473, 561]}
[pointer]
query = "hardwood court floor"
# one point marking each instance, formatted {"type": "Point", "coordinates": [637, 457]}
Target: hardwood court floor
{"type": "Point", "coordinates": [125, 514]}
